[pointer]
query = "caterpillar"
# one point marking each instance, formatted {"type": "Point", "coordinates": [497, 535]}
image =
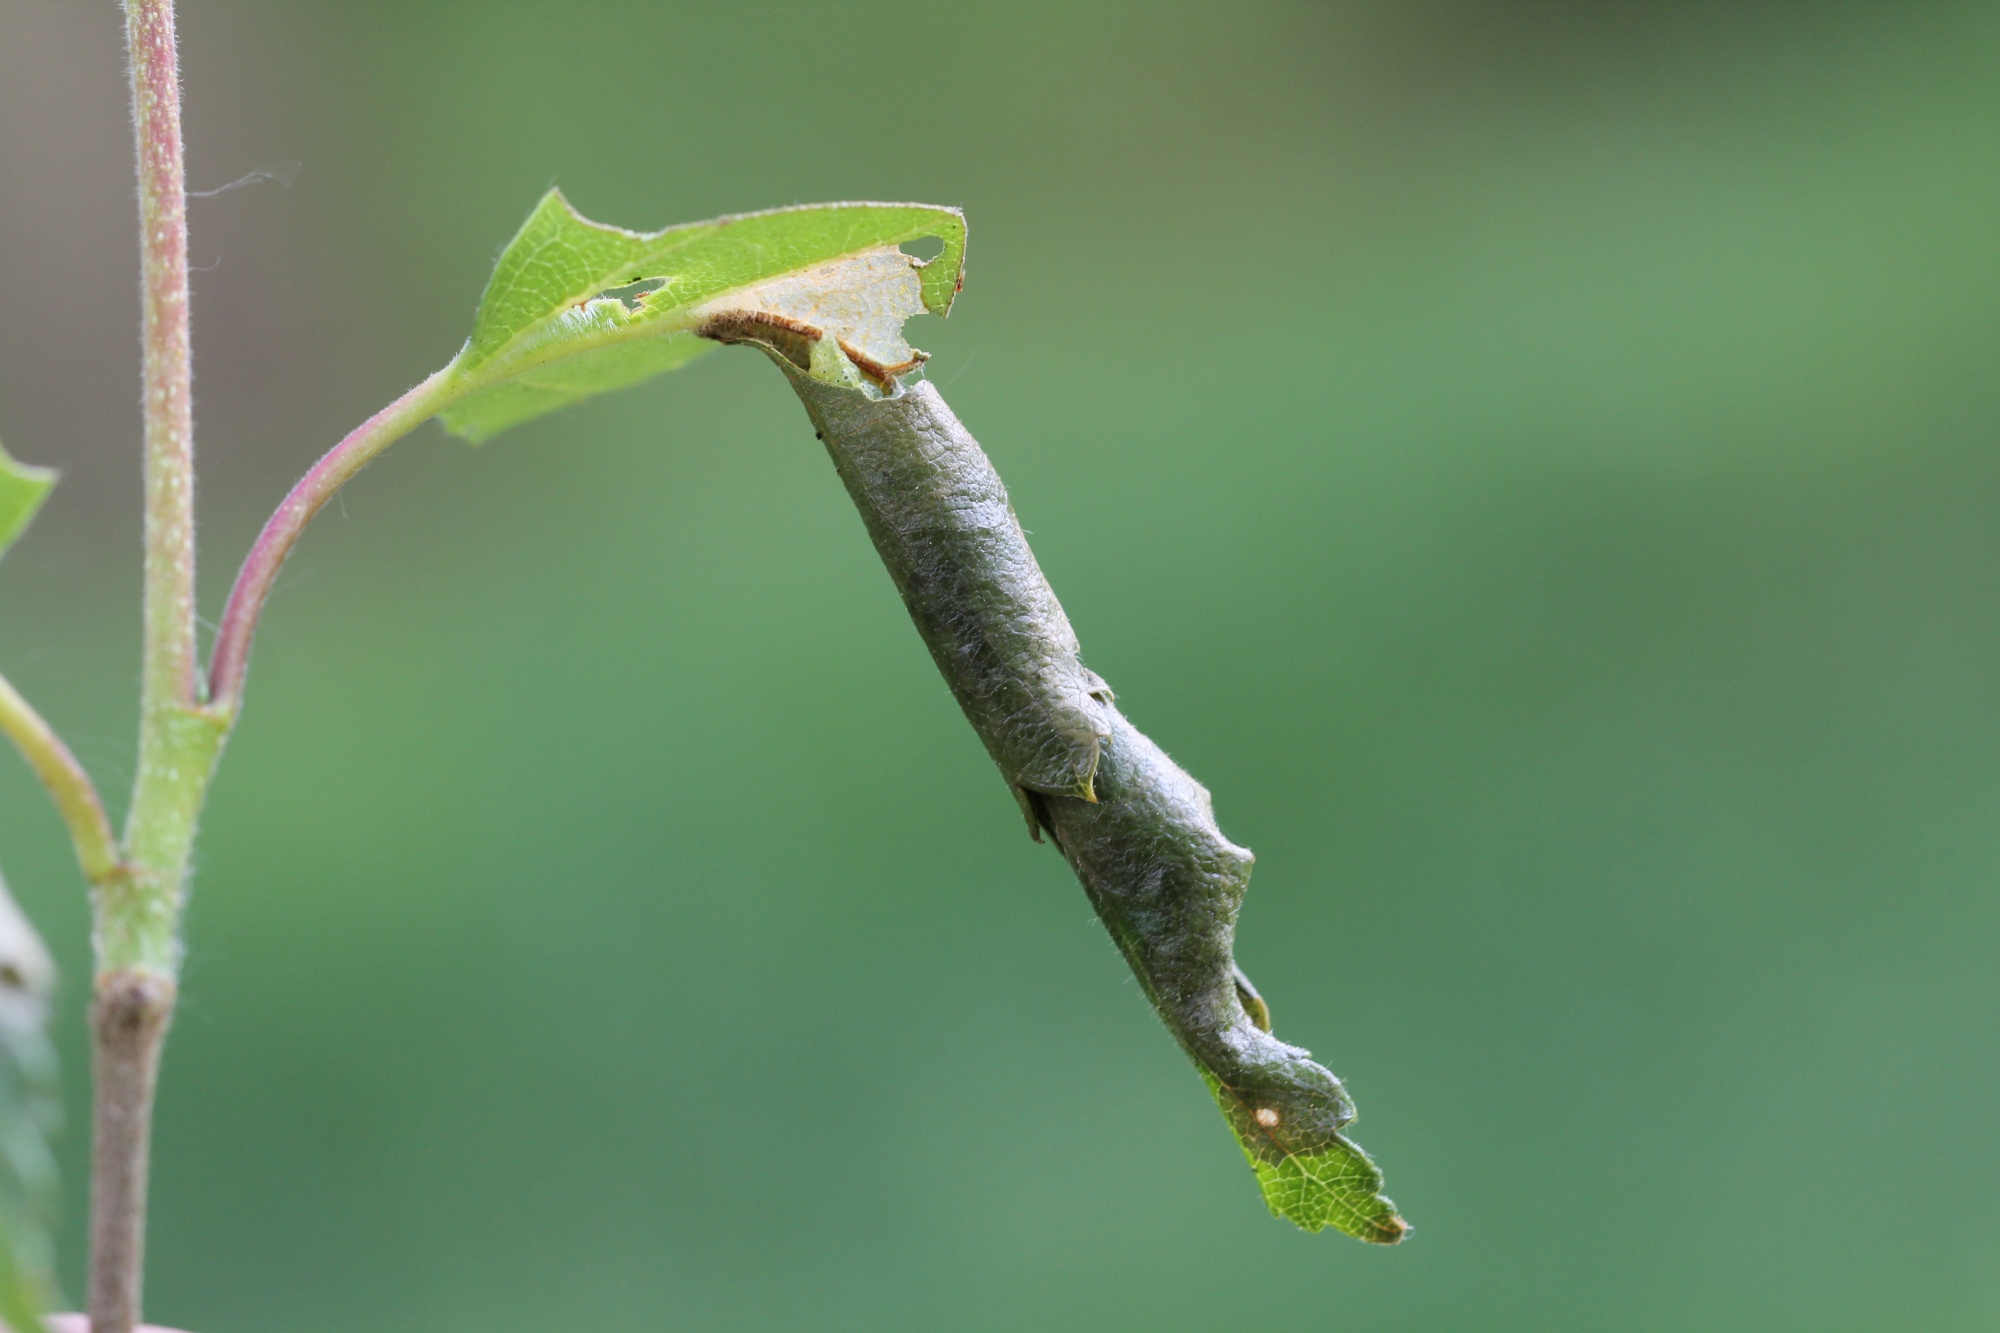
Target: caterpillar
{"type": "Point", "coordinates": [884, 375]}
{"type": "Point", "coordinates": [1137, 830]}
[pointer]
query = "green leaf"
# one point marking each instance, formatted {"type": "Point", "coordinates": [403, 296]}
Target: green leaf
{"type": "Point", "coordinates": [29, 1111]}
{"type": "Point", "coordinates": [575, 308]}
{"type": "Point", "coordinates": [1332, 1184]}
{"type": "Point", "coordinates": [22, 490]}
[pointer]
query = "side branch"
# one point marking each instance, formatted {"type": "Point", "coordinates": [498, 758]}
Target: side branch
{"type": "Point", "coordinates": [75, 795]}
{"type": "Point", "coordinates": [282, 530]}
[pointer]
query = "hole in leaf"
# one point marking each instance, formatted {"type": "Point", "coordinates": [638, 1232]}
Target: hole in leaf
{"type": "Point", "coordinates": [632, 293]}
{"type": "Point", "coordinates": [924, 249]}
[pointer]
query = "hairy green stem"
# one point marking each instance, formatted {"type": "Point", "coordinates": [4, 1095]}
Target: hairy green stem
{"type": "Point", "coordinates": [170, 675]}
{"type": "Point", "coordinates": [179, 737]}
{"type": "Point", "coordinates": [137, 914]}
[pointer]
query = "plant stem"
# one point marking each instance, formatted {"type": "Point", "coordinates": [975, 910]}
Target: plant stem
{"type": "Point", "coordinates": [170, 671]}
{"type": "Point", "coordinates": [281, 532]}
{"type": "Point", "coordinates": [128, 1017]}
{"type": "Point", "coordinates": [138, 913]}
{"type": "Point", "coordinates": [178, 737]}
{"type": "Point", "coordinates": [75, 795]}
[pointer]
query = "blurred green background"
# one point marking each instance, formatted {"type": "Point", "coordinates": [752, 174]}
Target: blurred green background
{"type": "Point", "coordinates": [1535, 462]}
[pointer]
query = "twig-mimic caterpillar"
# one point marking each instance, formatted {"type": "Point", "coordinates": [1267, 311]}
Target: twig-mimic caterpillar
{"type": "Point", "coordinates": [1137, 829]}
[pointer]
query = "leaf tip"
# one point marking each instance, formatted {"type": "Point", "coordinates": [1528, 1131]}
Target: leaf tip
{"type": "Point", "coordinates": [1392, 1230]}
{"type": "Point", "coordinates": [23, 488]}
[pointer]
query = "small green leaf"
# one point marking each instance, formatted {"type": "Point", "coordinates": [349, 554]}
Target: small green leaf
{"type": "Point", "coordinates": [575, 308]}
{"type": "Point", "coordinates": [29, 1110]}
{"type": "Point", "coordinates": [22, 490]}
{"type": "Point", "coordinates": [486, 413]}
{"type": "Point", "coordinates": [1331, 1184]}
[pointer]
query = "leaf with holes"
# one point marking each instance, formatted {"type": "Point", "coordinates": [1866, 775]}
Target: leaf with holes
{"type": "Point", "coordinates": [576, 308]}
{"type": "Point", "coordinates": [22, 490]}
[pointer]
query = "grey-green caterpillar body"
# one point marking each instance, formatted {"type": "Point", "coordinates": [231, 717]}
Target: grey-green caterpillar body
{"type": "Point", "coordinates": [940, 518]}
{"type": "Point", "coordinates": [1138, 831]}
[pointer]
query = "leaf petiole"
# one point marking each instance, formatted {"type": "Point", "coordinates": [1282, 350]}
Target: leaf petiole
{"type": "Point", "coordinates": [282, 530]}
{"type": "Point", "coordinates": [75, 795]}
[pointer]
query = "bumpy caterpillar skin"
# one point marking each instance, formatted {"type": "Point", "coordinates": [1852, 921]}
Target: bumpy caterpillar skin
{"type": "Point", "coordinates": [1168, 886]}
{"type": "Point", "coordinates": [939, 515]}
{"type": "Point", "coordinates": [1136, 828]}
